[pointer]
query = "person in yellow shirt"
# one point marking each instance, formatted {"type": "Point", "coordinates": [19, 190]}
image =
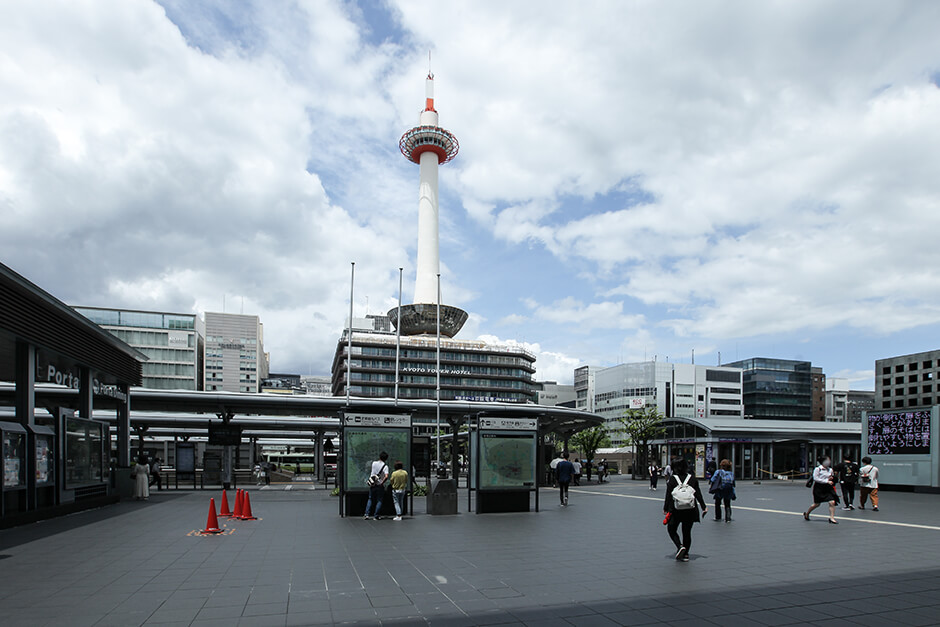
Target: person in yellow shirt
{"type": "Point", "coordinates": [399, 481]}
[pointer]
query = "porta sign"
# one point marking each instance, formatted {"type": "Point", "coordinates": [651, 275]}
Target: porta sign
{"type": "Point", "coordinates": [637, 403]}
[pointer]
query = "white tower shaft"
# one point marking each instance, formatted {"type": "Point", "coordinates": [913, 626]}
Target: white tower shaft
{"type": "Point", "coordinates": [429, 257]}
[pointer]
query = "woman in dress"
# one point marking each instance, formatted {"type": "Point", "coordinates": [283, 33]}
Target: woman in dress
{"type": "Point", "coordinates": [684, 517]}
{"type": "Point", "coordinates": [141, 474]}
{"type": "Point", "coordinates": [824, 490]}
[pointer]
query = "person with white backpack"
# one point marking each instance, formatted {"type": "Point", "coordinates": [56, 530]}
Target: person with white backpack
{"type": "Point", "coordinates": [681, 507]}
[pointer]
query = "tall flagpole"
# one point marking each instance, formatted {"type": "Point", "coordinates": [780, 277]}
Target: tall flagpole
{"type": "Point", "coordinates": [438, 368]}
{"type": "Point", "coordinates": [398, 335]}
{"type": "Point", "coordinates": [352, 284]}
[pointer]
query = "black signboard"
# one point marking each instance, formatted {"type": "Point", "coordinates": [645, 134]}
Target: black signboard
{"type": "Point", "coordinates": [903, 433]}
{"type": "Point", "coordinates": [221, 434]}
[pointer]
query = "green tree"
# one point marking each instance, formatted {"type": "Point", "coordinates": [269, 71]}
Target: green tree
{"type": "Point", "coordinates": [641, 426]}
{"type": "Point", "coordinates": [588, 441]}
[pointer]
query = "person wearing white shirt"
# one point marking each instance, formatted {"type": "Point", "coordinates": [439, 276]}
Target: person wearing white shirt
{"type": "Point", "coordinates": [577, 471]}
{"type": "Point", "coordinates": [868, 484]}
{"type": "Point", "coordinates": [379, 470]}
{"type": "Point", "coordinates": [824, 490]}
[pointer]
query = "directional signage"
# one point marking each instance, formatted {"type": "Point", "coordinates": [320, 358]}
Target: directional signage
{"type": "Point", "coordinates": [524, 424]}
{"type": "Point", "coordinates": [377, 420]}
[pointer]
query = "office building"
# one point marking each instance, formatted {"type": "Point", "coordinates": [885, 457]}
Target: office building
{"type": "Point", "coordinates": [470, 370]}
{"type": "Point", "coordinates": [235, 357]}
{"type": "Point", "coordinates": [172, 342]}
{"type": "Point", "coordinates": [857, 402]}
{"type": "Point", "coordinates": [675, 390]}
{"type": "Point", "coordinates": [777, 389]}
{"type": "Point", "coordinates": [584, 387]}
{"type": "Point", "coordinates": [554, 394]}
{"type": "Point", "coordinates": [317, 385]}
{"type": "Point", "coordinates": [283, 384]}
{"type": "Point", "coordinates": [907, 380]}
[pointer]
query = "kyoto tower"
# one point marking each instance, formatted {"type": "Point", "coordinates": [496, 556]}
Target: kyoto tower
{"type": "Point", "coordinates": [428, 145]}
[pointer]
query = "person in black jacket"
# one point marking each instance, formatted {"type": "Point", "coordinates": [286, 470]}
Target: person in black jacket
{"type": "Point", "coordinates": [683, 517]}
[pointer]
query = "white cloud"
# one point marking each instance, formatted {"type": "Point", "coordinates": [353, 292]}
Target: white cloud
{"type": "Point", "coordinates": [703, 174]}
{"type": "Point", "coordinates": [549, 365]}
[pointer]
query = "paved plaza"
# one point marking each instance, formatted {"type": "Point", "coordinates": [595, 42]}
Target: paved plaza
{"type": "Point", "coordinates": [604, 560]}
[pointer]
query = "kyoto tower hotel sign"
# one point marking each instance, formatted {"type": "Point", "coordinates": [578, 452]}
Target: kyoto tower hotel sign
{"type": "Point", "coordinates": [428, 145]}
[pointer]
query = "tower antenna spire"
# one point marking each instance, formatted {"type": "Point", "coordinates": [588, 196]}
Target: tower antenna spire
{"type": "Point", "coordinates": [430, 73]}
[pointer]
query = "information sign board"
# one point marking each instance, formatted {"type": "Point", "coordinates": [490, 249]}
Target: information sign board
{"type": "Point", "coordinates": [525, 424]}
{"type": "Point", "coordinates": [902, 433]}
{"type": "Point", "coordinates": [377, 420]}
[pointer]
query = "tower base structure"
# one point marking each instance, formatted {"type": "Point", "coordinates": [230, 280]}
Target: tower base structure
{"type": "Point", "coordinates": [421, 319]}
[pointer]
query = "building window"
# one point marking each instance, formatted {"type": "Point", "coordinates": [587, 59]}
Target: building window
{"type": "Point", "coordinates": [928, 363]}
{"type": "Point", "coordinates": [899, 380]}
{"type": "Point", "coordinates": [899, 368]}
{"type": "Point", "coordinates": [912, 366]}
{"type": "Point", "coordinates": [928, 388]}
{"type": "Point", "coordinates": [912, 402]}
{"type": "Point", "coordinates": [912, 390]}
{"type": "Point", "coordinates": [886, 393]}
{"type": "Point", "coordinates": [912, 378]}
{"type": "Point", "coordinates": [886, 370]}
{"type": "Point", "coordinates": [927, 401]}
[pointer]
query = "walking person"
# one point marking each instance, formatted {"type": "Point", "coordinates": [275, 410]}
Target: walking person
{"type": "Point", "coordinates": [654, 475]}
{"type": "Point", "coordinates": [722, 486]}
{"type": "Point", "coordinates": [378, 474]}
{"type": "Point", "coordinates": [601, 470]}
{"type": "Point", "coordinates": [563, 472]}
{"type": "Point", "coordinates": [141, 474]}
{"type": "Point", "coordinates": [588, 467]}
{"type": "Point", "coordinates": [824, 490]}
{"type": "Point", "coordinates": [848, 478]}
{"type": "Point", "coordinates": [399, 482]}
{"type": "Point", "coordinates": [683, 499]}
{"type": "Point", "coordinates": [576, 478]}
{"type": "Point", "coordinates": [155, 469]}
{"type": "Point", "coordinates": [868, 484]}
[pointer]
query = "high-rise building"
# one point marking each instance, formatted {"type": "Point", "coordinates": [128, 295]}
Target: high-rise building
{"type": "Point", "coordinates": [470, 370]}
{"type": "Point", "coordinates": [777, 389]}
{"type": "Point", "coordinates": [173, 343]}
{"type": "Point", "coordinates": [584, 387]}
{"type": "Point", "coordinates": [675, 390]}
{"type": "Point", "coordinates": [818, 382]}
{"type": "Point", "coordinates": [907, 381]}
{"type": "Point", "coordinates": [235, 357]}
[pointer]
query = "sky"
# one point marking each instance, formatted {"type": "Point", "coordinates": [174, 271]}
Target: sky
{"type": "Point", "coordinates": [636, 180]}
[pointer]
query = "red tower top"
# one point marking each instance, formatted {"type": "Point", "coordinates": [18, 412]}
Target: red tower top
{"type": "Point", "coordinates": [429, 137]}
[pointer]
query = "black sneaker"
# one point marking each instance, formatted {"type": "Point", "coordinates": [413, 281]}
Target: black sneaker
{"type": "Point", "coordinates": [681, 553]}
{"type": "Point", "coordinates": [874, 509]}
{"type": "Point", "coordinates": [684, 558]}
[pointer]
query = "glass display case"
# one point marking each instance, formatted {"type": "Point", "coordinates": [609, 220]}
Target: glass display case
{"type": "Point", "coordinates": [13, 437]}
{"type": "Point", "coordinates": [45, 459]}
{"type": "Point", "coordinates": [84, 452]}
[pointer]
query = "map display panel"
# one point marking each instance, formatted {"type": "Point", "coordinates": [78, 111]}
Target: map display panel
{"type": "Point", "coordinates": [507, 460]}
{"type": "Point", "coordinates": [362, 446]}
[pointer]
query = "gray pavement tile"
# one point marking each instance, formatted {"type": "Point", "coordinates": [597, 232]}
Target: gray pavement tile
{"type": "Point", "coordinates": [309, 618]}
{"type": "Point", "coordinates": [360, 614]}
{"type": "Point", "coordinates": [595, 620]}
{"type": "Point", "coordinates": [209, 613]}
{"type": "Point", "coordinates": [262, 621]}
{"type": "Point", "coordinates": [172, 616]}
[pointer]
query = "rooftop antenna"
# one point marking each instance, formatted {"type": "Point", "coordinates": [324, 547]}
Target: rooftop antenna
{"type": "Point", "coordinates": [430, 74]}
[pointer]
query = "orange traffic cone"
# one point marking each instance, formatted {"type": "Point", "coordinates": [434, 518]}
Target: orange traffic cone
{"type": "Point", "coordinates": [223, 508]}
{"type": "Point", "coordinates": [246, 508]}
{"type": "Point", "coordinates": [212, 522]}
{"type": "Point", "coordinates": [238, 505]}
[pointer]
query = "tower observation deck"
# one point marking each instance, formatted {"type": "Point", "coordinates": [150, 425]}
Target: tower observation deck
{"type": "Point", "coordinates": [429, 146]}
